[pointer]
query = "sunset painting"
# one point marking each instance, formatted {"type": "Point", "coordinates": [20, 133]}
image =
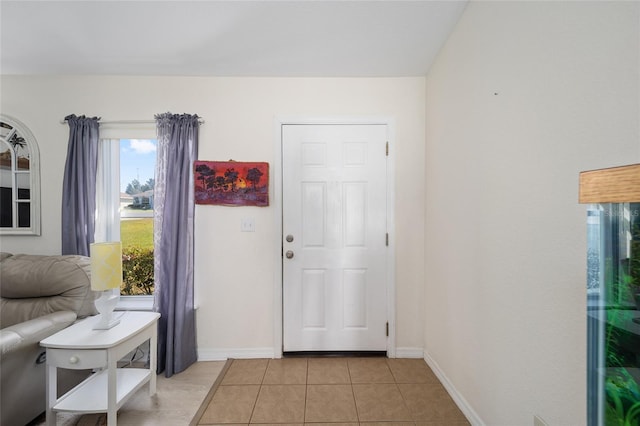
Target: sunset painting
{"type": "Point", "coordinates": [231, 183]}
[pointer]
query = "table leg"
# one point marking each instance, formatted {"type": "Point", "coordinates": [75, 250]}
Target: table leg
{"type": "Point", "coordinates": [52, 393]}
{"type": "Point", "coordinates": [153, 360]}
{"type": "Point", "coordinates": [112, 385]}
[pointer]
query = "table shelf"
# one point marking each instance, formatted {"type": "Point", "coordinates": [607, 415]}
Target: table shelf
{"type": "Point", "coordinates": [90, 396]}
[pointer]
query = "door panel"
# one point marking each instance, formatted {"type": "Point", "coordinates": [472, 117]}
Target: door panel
{"type": "Point", "coordinates": [334, 208]}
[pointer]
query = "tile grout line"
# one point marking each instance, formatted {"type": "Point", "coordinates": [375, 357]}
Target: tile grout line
{"type": "Point", "coordinates": [353, 394]}
{"type": "Point", "coordinates": [306, 392]}
{"type": "Point", "coordinates": [395, 382]}
{"type": "Point", "coordinates": [255, 403]}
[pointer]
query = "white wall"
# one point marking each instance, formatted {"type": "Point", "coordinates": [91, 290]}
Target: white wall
{"type": "Point", "coordinates": [234, 271]}
{"type": "Point", "coordinates": [523, 97]}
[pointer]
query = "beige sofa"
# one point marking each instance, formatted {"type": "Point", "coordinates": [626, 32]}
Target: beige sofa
{"type": "Point", "coordinates": [39, 295]}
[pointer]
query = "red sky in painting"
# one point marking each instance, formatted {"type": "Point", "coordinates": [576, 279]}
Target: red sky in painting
{"type": "Point", "coordinates": [241, 167]}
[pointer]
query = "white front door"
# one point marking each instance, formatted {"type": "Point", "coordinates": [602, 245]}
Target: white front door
{"type": "Point", "coordinates": [334, 237]}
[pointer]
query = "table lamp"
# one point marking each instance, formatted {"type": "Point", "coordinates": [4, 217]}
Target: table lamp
{"type": "Point", "coordinates": [106, 277]}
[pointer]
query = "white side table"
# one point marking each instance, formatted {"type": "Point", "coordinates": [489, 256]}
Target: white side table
{"type": "Point", "coordinates": [79, 347]}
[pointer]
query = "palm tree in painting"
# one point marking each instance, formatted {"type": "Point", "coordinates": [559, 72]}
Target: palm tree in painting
{"type": "Point", "coordinates": [218, 183]}
{"type": "Point", "coordinates": [253, 176]}
{"type": "Point", "coordinates": [205, 172]}
{"type": "Point", "coordinates": [231, 177]}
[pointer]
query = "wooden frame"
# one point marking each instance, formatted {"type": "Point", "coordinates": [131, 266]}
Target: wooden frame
{"type": "Point", "coordinates": [612, 185]}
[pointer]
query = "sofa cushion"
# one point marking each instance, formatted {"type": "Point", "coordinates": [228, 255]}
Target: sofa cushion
{"type": "Point", "coordinates": [4, 255]}
{"type": "Point", "coordinates": [36, 285]}
{"type": "Point", "coordinates": [33, 331]}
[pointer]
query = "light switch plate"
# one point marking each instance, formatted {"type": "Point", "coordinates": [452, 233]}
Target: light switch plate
{"type": "Point", "coordinates": [247, 224]}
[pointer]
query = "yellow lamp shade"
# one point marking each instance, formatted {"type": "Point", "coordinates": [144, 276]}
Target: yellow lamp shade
{"type": "Point", "coordinates": [106, 266]}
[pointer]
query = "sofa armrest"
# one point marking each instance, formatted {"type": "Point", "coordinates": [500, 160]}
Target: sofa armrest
{"type": "Point", "coordinates": [32, 331]}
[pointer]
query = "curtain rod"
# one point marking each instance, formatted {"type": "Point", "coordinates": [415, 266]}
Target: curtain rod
{"type": "Point", "coordinates": [201, 121]}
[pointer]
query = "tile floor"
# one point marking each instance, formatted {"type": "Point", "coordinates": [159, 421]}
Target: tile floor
{"type": "Point", "coordinates": [331, 390]}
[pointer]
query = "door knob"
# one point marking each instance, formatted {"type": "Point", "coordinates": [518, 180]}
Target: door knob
{"type": "Point", "coordinates": [289, 238]}
{"type": "Point", "coordinates": [289, 254]}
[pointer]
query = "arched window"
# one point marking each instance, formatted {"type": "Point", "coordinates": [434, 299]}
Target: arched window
{"type": "Point", "coordinates": [19, 179]}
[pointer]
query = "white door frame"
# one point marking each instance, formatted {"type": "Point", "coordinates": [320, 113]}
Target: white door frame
{"type": "Point", "coordinates": [277, 204]}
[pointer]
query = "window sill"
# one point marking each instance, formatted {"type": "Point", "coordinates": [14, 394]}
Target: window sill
{"type": "Point", "coordinates": [135, 303]}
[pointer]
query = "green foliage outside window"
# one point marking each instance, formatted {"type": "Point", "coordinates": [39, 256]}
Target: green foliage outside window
{"type": "Point", "coordinates": [137, 257]}
{"type": "Point", "coordinates": [137, 271]}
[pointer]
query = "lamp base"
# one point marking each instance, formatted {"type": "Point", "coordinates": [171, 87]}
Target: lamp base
{"type": "Point", "coordinates": [105, 304]}
{"type": "Point", "coordinates": [105, 324]}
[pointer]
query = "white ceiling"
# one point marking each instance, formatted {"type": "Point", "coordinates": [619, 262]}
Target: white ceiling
{"type": "Point", "coordinates": [224, 38]}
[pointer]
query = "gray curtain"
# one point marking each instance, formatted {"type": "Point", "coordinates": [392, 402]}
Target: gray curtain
{"type": "Point", "coordinates": [79, 185]}
{"type": "Point", "coordinates": [173, 240]}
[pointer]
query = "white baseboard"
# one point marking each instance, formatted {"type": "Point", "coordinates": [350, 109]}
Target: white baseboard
{"type": "Point", "coordinates": [208, 354]}
{"type": "Point", "coordinates": [462, 403]}
{"type": "Point", "coordinates": [409, 353]}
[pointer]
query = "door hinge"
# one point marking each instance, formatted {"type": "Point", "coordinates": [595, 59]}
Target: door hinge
{"type": "Point", "coordinates": [387, 328]}
{"type": "Point", "coordinates": [387, 239]}
{"type": "Point", "coordinates": [387, 149]}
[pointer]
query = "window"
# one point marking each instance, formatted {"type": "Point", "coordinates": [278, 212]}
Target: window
{"type": "Point", "coordinates": [125, 208]}
{"type": "Point", "coordinates": [19, 179]}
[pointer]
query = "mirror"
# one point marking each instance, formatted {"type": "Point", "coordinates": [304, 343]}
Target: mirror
{"type": "Point", "coordinates": [19, 179]}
